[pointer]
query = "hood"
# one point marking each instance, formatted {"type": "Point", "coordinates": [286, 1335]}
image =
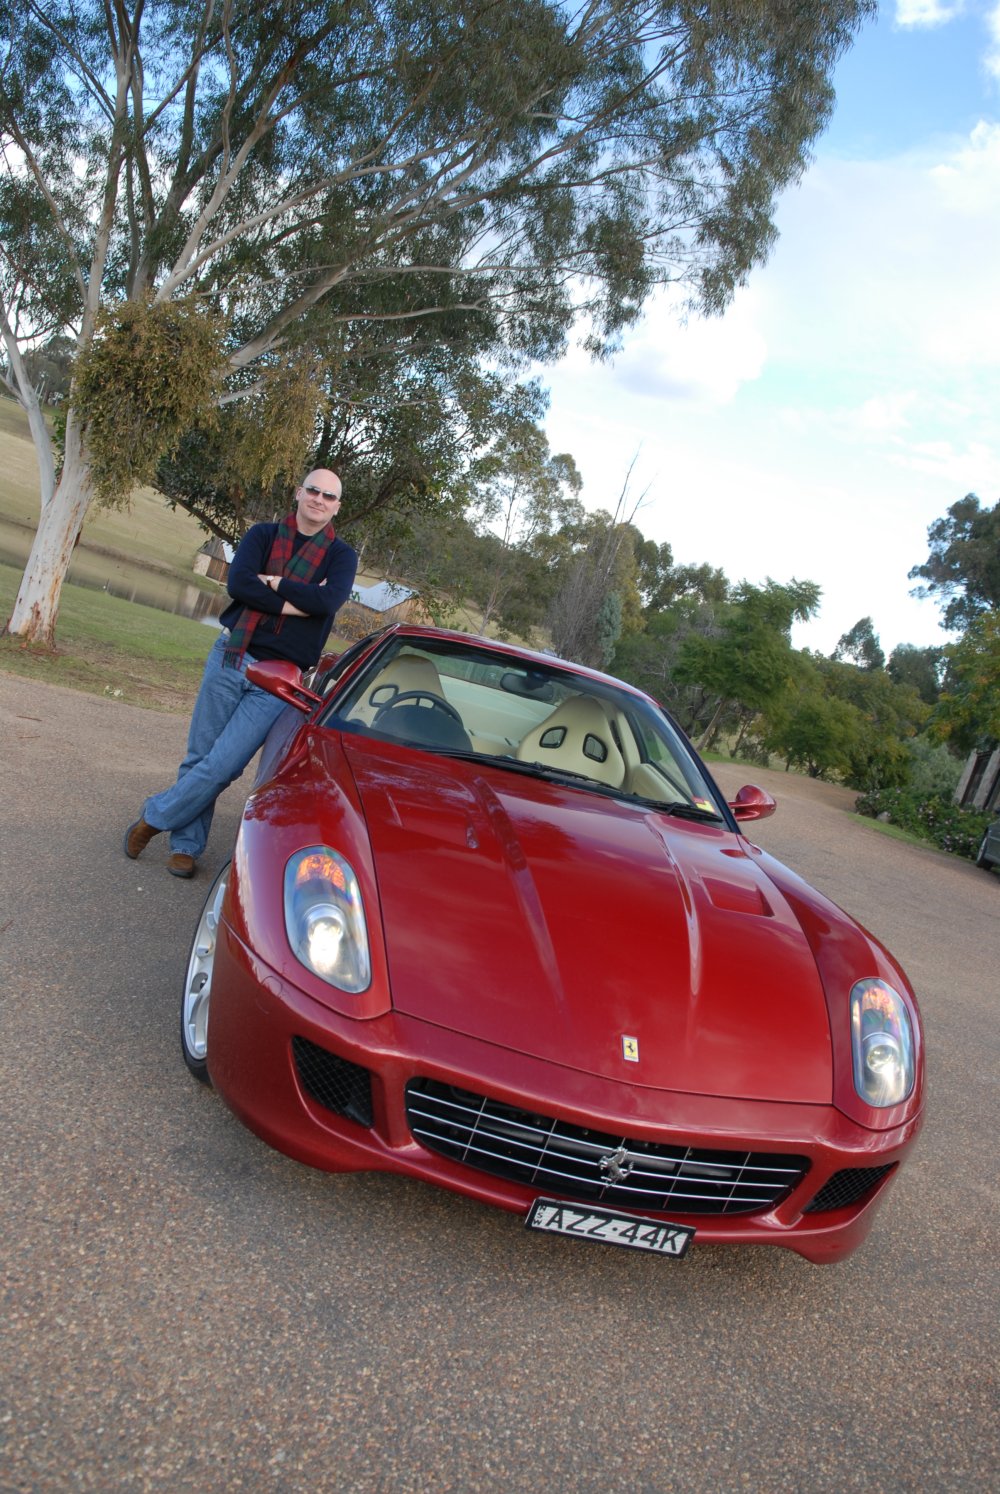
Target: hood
{"type": "Point", "coordinates": [591, 933]}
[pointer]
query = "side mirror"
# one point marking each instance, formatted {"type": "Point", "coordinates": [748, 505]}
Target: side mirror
{"type": "Point", "coordinates": [752, 804]}
{"type": "Point", "coordinates": [282, 678]}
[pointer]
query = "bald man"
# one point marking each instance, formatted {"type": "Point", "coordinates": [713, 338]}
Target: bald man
{"type": "Point", "coordinates": [287, 581]}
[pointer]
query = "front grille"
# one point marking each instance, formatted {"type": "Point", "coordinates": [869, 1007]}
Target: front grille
{"type": "Point", "coordinates": [333, 1082]}
{"type": "Point", "coordinates": [846, 1187]}
{"type": "Point", "coordinates": [575, 1162]}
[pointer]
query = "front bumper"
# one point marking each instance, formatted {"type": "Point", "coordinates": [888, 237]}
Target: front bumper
{"type": "Point", "coordinates": [261, 1025]}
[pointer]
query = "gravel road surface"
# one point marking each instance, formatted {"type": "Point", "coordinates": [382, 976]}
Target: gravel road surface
{"type": "Point", "coordinates": [184, 1309]}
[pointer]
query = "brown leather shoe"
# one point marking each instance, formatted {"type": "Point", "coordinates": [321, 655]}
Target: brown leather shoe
{"type": "Point", "coordinates": [137, 837]}
{"type": "Point", "coordinates": [180, 864]}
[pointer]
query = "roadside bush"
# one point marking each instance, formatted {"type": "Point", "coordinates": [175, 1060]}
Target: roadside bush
{"type": "Point", "coordinates": [933, 769]}
{"type": "Point", "coordinates": [933, 817]}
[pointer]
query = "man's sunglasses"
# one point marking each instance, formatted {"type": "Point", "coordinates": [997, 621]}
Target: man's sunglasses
{"type": "Point", "coordinates": [321, 493]}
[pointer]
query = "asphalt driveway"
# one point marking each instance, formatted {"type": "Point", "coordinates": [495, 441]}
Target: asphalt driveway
{"type": "Point", "coordinates": [183, 1309]}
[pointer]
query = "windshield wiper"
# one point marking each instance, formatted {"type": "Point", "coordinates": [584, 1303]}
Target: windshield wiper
{"type": "Point", "coordinates": [533, 770]}
{"type": "Point", "coordinates": [683, 811]}
{"type": "Point", "coordinates": [553, 774]}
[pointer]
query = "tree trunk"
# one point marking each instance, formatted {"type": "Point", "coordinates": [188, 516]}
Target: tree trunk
{"type": "Point", "coordinates": [745, 725]}
{"type": "Point", "coordinates": [705, 740]}
{"type": "Point", "coordinates": [37, 604]}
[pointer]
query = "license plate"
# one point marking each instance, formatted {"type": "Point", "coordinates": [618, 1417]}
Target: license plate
{"type": "Point", "coordinates": [631, 1230]}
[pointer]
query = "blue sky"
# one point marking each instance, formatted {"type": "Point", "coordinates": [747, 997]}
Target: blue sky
{"type": "Point", "coordinates": [851, 392]}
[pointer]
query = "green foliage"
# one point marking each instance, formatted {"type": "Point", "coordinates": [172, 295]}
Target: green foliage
{"type": "Point", "coordinates": [963, 568]}
{"type": "Point", "coordinates": [680, 600]}
{"type": "Point", "coordinates": [933, 817]}
{"type": "Point", "coordinates": [488, 508]}
{"type": "Point", "coordinates": [50, 368]}
{"type": "Point", "coordinates": [748, 660]}
{"type": "Point", "coordinates": [151, 372]}
{"type": "Point", "coordinates": [278, 424]}
{"type": "Point", "coordinates": [523, 494]}
{"type": "Point", "coordinates": [921, 668]}
{"type": "Point", "coordinates": [813, 731]}
{"type": "Point", "coordinates": [844, 722]}
{"type": "Point", "coordinates": [313, 170]}
{"type": "Point", "coordinates": [596, 585]}
{"type": "Point", "coordinates": [609, 626]}
{"type": "Point", "coordinates": [967, 714]}
{"type": "Point", "coordinates": [860, 646]}
{"type": "Point", "coordinates": [891, 715]}
{"type": "Point", "coordinates": [933, 769]}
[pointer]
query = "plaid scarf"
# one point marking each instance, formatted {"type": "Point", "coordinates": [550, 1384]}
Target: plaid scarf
{"type": "Point", "coordinates": [282, 560]}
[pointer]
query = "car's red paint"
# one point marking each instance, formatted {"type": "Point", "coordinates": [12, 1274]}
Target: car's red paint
{"type": "Point", "coordinates": [546, 878]}
{"type": "Point", "coordinates": [519, 927]}
{"type": "Point", "coordinates": [284, 679]}
{"type": "Point", "coordinates": [752, 803]}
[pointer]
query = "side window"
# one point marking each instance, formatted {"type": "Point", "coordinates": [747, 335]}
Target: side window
{"type": "Point", "coordinates": [324, 682]}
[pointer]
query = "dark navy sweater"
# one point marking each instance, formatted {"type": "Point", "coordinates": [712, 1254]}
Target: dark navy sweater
{"type": "Point", "coordinates": [300, 639]}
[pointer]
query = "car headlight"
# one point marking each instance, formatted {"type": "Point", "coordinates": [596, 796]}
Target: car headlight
{"type": "Point", "coordinates": [882, 1043]}
{"type": "Point", "coordinates": [325, 919]}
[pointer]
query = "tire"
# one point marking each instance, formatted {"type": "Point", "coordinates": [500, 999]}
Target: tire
{"type": "Point", "coordinates": [981, 857]}
{"type": "Point", "coordinates": [198, 981]}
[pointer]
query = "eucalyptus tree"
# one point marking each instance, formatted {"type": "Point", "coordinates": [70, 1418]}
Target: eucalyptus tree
{"type": "Point", "coordinates": [597, 581]}
{"type": "Point", "coordinates": [525, 492]}
{"type": "Point", "coordinates": [962, 569]}
{"type": "Point", "coordinates": [860, 646]}
{"type": "Point", "coordinates": [186, 182]}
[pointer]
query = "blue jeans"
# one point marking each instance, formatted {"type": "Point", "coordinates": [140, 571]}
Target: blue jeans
{"type": "Point", "coordinates": [231, 719]}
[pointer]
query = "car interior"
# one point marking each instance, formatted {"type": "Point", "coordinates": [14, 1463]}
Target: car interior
{"type": "Point", "coordinates": [577, 738]}
{"type": "Point", "coordinates": [499, 709]}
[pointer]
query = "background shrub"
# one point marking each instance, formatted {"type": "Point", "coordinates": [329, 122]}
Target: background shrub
{"type": "Point", "coordinates": [933, 768]}
{"type": "Point", "coordinates": [934, 817]}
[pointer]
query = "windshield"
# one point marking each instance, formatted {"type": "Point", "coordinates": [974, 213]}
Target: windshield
{"type": "Point", "coordinates": [524, 716]}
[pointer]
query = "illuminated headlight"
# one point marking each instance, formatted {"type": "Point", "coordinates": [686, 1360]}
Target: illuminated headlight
{"type": "Point", "coordinates": [325, 919]}
{"type": "Point", "coordinates": [882, 1044]}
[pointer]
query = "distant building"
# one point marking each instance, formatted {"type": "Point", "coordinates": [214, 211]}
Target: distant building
{"type": "Point", "coordinates": [213, 560]}
{"type": "Point", "coordinates": [374, 607]}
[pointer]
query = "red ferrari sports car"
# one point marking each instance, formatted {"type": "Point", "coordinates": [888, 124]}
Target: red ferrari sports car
{"type": "Point", "coordinates": [488, 922]}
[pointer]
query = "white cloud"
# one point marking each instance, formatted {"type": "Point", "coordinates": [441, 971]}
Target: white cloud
{"type": "Point", "coordinates": [702, 360]}
{"type": "Point", "coordinates": [845, 401]}
{"type": "Point", "coordinates": [992, 58]}
{"type": "Point", "coordinates": [912, 13]}
{"type": "Point", "coordinates": [974, 468]}
{"type": "Point", "coordinates": [886, 412]}
{"type": "Point", "coordinates": [885, 266]}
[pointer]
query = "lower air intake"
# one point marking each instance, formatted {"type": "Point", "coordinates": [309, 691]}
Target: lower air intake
{"type": "Point", "coordinates": [342, 1087]}
{"type": "Point", "coordinates": [846, 1187]}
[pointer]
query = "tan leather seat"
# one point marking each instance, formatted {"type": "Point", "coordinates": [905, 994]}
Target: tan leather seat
{"type": "Point", "coordinates": [576, 737]}
{"type": "Point", "coordinates": [404, 672]}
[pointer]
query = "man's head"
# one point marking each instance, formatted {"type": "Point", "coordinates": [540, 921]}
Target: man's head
{"type": "Point", "coordinates": [317, 500]}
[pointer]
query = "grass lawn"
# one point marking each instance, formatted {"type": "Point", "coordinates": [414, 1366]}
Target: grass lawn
{"type": "Point", "coordinates": [105, 645]}
{"type": "Point", "coordinates": [112, 647]}
{"type": "Point", "coordinates": [137, 654]}
{"type": "Point", "coordinates": [148, 531]}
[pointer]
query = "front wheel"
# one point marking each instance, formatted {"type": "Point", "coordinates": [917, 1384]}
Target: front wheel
{"type": "Point", "coordinates": [198, 980]}
{"type": "Point", "coordinates": [981, 857]}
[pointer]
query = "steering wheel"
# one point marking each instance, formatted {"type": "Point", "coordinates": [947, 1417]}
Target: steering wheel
{"type": "Point", "coordinates": [404, 696]}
